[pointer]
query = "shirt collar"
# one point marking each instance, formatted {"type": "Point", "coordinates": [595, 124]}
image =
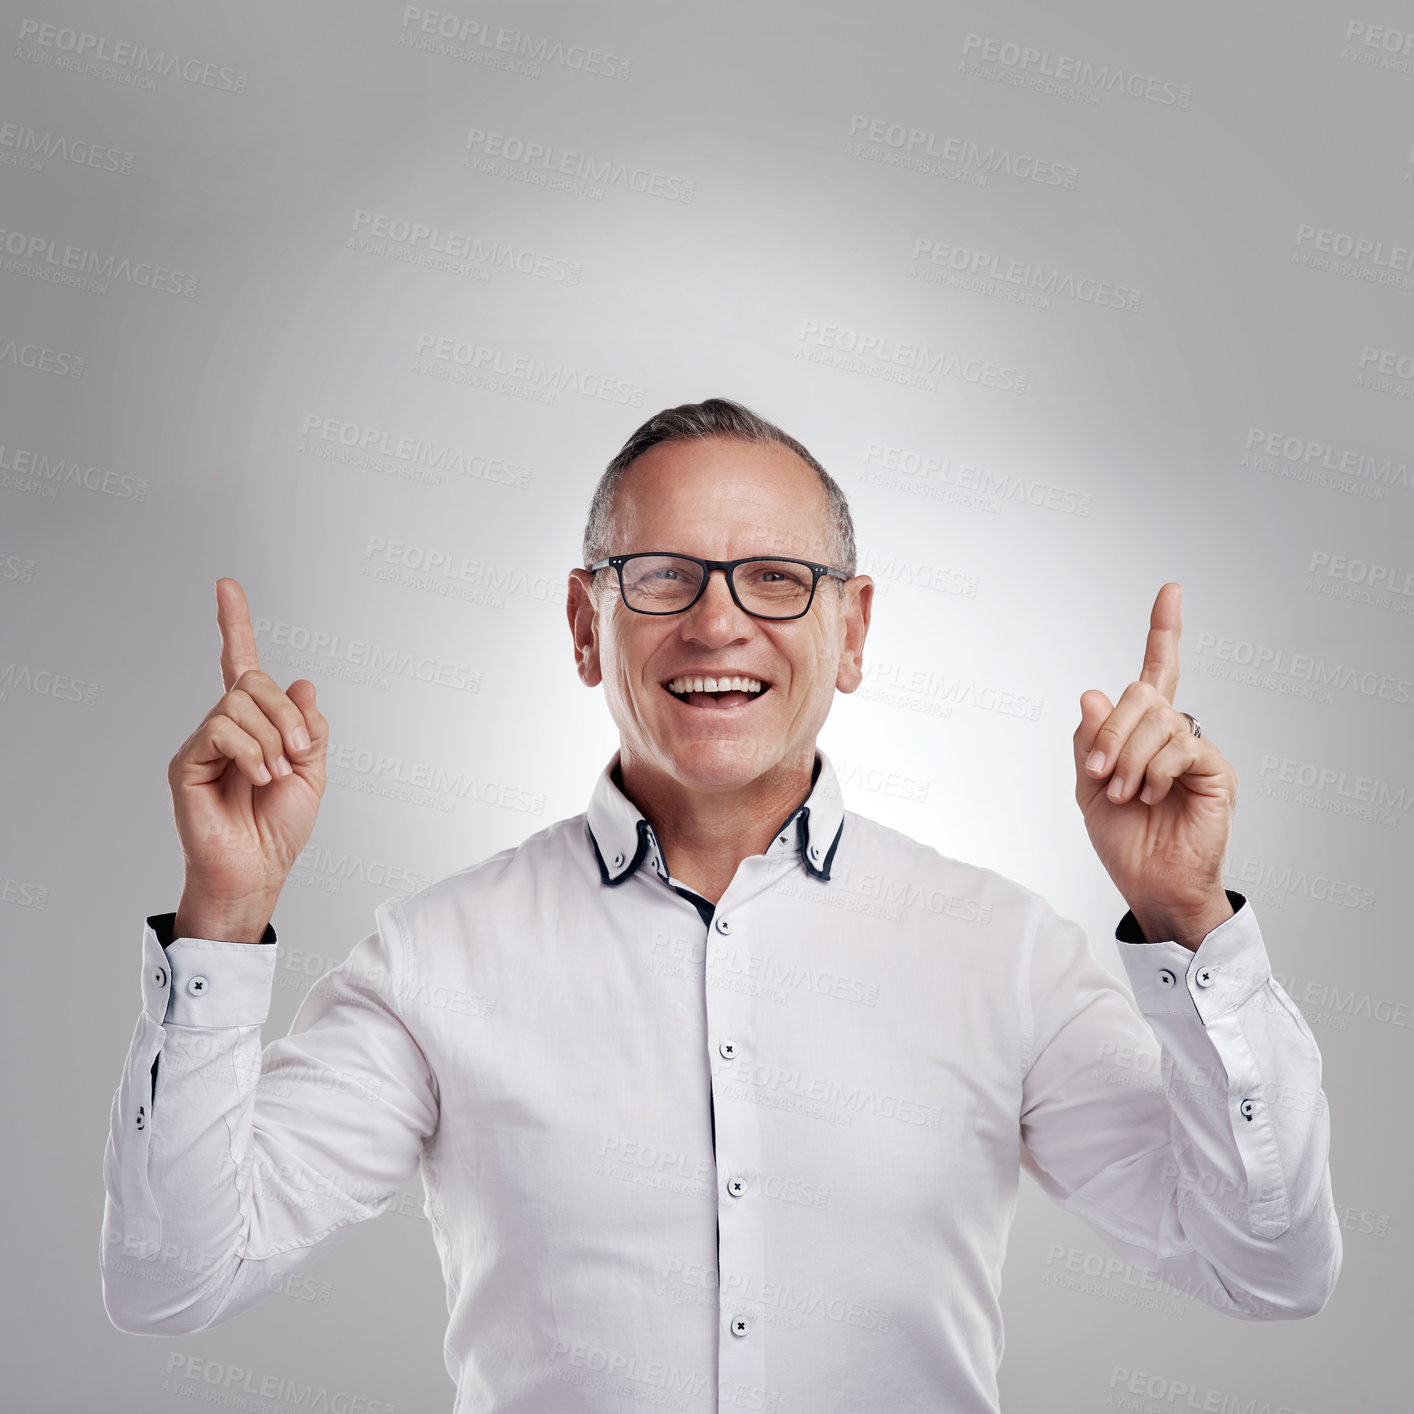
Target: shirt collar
{"type": "Point", "coordinates": [622, 839]}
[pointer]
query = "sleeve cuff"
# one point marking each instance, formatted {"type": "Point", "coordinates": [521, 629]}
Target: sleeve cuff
{"type": "Point", "coordinates": [204, 982]}
{"type": "Point", "coordinates": [1220, 974]}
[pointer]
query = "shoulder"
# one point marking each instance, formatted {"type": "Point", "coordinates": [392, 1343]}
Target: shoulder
{"type": "Point", "coordinates": [559, 852]}
{"type": "Point", "coordinates": [900, 869]}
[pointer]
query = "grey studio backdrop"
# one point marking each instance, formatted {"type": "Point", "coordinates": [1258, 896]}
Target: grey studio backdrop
{"type": "Point", "coordinates": [353, 302]}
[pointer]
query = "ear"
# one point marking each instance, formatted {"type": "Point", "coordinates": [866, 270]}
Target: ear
{"type": "Point", "coordinates": [857, 595]}
{"type": "Point", "coordinates": [584, 626]}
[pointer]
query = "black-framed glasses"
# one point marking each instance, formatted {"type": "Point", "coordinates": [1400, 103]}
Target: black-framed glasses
{"type": "Point", "coordinates": [766, 587]}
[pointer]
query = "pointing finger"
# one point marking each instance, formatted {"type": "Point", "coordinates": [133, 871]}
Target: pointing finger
{"type": "Point", "coordinates": [238, 653]}
{"type": "Point", "coordinates": [1161, 647]}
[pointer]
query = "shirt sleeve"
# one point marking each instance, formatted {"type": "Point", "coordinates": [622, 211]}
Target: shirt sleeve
{"type": "Point", "coordinates": [227, 1168]}
{"type": "Point", "coordinates": [1185, 1123]}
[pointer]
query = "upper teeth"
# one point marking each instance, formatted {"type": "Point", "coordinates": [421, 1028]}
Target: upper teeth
{"type": "Point", "coordinates": [714, 685]}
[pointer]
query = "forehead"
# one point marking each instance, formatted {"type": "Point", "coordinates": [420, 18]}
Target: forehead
{"type": "Point", "coordinates": [721, 498]}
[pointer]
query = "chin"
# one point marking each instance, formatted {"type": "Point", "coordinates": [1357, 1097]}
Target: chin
{"type": "Point", "coordinates": [722, 763]}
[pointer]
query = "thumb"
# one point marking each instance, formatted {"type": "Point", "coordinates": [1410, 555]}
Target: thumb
{"type": "Point", "coordinates": [1095, 707]}
{"type": "Point", "coordinates": [301, 693]}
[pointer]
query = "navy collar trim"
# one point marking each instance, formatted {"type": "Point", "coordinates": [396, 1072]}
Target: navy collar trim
{"type": "Point", "coordinates": [622, 838]}
{"type": "Point", "coordinates": [809, 853]}
{"type": "Point", "coordinates": [624, 871]}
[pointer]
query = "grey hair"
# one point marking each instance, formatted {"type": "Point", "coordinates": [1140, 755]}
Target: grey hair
{"type": "Point", "coordinates": [717, 417]}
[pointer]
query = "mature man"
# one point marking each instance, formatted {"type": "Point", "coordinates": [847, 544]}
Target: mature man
{"type": "Point", "coordinates": [720, 1092]}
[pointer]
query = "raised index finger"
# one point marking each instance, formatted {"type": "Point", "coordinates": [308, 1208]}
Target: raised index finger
{"type": "Point", "coordinates": [1161, 647]}
{"type": "Point", "coordinates": [237, 637]}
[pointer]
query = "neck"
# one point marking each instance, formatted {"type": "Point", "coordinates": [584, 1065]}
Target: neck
{"type": "Point", "coordinates": [704, 835]}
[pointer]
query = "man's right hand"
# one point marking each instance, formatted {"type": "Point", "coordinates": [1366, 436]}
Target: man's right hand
{"type": "Point", "coordinates": [246, 786]}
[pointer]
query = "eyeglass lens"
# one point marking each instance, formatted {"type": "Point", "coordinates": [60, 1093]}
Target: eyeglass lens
{"type": "Point", "coordinates": [662, 584]}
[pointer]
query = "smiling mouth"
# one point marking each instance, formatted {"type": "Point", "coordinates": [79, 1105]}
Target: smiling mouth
{"type": "Point", "coordinates": [730, 691]}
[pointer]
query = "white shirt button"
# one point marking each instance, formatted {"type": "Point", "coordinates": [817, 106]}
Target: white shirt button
{"type": "Point", "coordinates": [735, 1187]}
{"type": "Point", "coordinates": [724, 925]}
{"type": "Point", "coordinates": [1205, 976]}
{"type": "Point", "coordinates": [815, 851]}
{"type": "Point", "coordinates": [618, 860]}
{"type": "Point", "coordinates": [1166, 978]}
{"type": "Point", "coordinates": [740, 1325]}
{"type": "Point", "coordinates": [141, 1116]}
{"type": "Point", "coordinates": [198, 986]}
{"type": "Point", "coordinates": [728, 1049]}
{"type": "Point", "coordinates": [159, 977]}
{"type": "Point", "coordinates": [1248, 1109]}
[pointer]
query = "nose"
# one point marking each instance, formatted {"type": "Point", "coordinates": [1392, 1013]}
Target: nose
{"type": "Point", "coordinates": [715, 618]}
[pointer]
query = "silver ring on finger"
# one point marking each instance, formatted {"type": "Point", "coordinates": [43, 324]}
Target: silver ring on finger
{"type": "Point", "coordinates": [1192, 721]}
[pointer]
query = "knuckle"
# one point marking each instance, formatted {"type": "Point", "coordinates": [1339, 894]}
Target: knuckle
{"type": "Point", "coordinates": [1129, 761]}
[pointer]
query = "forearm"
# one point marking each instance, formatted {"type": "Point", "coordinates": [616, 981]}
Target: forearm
{"type": "Point", "coordinates": [1248, 1168]}
{"type": "Point", "coordinates": [1138, 1120]}
{"type": "Point", "coordinates": [177, 1194]}
{"type": "Point", "coordinates": [230, 1171]}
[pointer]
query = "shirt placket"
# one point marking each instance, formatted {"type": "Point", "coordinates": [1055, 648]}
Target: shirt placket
{"type": "Point", "coordinates": [736, 1052]}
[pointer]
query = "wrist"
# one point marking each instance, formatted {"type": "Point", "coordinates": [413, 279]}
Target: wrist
{"type": "Point", "coordinates": [1186, 924]}
{"type": "Point", "coordinates": [233, 921]}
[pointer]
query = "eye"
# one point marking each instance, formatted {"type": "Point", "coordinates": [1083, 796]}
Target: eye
{"type": "Point", "coordinates": [776, 575]}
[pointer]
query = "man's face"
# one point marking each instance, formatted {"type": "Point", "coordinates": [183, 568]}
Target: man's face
{"type": "Point", "coordinates": [720, 499]}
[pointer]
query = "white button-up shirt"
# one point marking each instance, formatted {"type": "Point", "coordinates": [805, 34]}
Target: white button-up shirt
{"type": "Point", "coordinates": [763, 1162]}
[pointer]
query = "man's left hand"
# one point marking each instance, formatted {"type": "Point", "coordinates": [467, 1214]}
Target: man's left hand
{"type": "Point", "coordinates": [1157, 800]}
